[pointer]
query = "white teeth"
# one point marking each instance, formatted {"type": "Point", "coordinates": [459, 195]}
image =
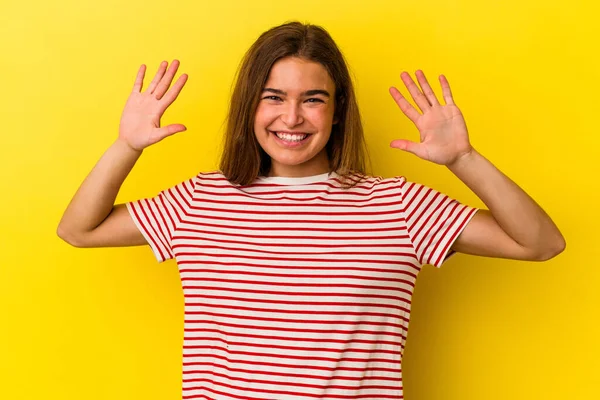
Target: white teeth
{"type": "Point", "coordinates": [289, 137]}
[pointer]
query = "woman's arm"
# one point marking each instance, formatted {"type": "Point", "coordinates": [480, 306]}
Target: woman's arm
{"type": "Point", "coordinates": [91, 218]}
{"type": "Point", "coordinates": [515, 226]}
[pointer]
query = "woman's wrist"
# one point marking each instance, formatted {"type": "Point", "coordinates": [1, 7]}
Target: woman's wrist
{"type": "Point", "coordinates": [122, 146]}
{"type": "Point", "coordinates": [464, 161]}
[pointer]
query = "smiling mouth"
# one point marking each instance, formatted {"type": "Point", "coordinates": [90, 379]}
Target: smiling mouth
{"type": "Point", "coordinates": [291, 137]}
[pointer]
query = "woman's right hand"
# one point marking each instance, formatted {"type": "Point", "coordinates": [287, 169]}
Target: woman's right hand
{"type": "Point", "coordinates": [140, 121]}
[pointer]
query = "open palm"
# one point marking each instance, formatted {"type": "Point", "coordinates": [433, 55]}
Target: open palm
{"type": "Point", "coordinates": [443, 132]}
{"type": "Point", "coordinates": [140, 122]}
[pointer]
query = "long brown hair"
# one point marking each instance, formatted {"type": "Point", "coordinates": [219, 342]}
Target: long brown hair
{"type": "Point", "coordinates": [243, 160]}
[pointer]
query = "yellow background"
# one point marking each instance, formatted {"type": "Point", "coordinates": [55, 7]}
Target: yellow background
{"type": "Point", "coordinates": [107, 323]}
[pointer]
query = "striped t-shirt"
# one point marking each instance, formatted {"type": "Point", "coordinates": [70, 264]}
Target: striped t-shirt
{"type": "Point", "coordinates": [297, 288]}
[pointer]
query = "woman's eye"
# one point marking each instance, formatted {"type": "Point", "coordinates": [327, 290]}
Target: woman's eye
{"type": "Point", "coordinates": [277, 98]}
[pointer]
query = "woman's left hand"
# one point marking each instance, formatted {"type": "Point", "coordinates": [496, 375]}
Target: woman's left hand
{"type": "Point", "coordinates": [443, 131]}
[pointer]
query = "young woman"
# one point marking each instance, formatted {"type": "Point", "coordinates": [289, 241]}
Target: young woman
{"type": "Point", "coordinates": [297, 267]}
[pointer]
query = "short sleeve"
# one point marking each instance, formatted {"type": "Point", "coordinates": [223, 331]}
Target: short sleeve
{"type": "Point", "coordinates": [434, 221]}
{"type": "Point", "coordinates": [158, 217]}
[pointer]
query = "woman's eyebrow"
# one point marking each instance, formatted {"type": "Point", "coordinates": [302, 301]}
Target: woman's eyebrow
{"type": "Point", "coordinates": [312, 92]}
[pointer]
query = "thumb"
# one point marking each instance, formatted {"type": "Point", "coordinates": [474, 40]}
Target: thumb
{"type": "Point", "coordinates": [169, 130]}
{"type": "Point", "coordinates": [415, 148]}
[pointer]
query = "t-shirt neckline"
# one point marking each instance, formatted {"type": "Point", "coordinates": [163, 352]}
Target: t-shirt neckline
{"type": "Point", "coordinates": [301, 180]}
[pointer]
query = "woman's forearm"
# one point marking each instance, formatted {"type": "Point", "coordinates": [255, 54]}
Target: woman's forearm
{"type": "Point", "coordinates": [95, 198]}
{"type": "Point", "coordinates": [513, 209]}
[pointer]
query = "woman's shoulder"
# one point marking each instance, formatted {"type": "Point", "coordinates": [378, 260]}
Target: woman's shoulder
{"type": "Point", "coordinates": [214, 175]}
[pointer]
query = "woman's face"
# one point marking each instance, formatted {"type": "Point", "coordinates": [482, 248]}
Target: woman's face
{"type": "Point", "coordinates": [294, 117]}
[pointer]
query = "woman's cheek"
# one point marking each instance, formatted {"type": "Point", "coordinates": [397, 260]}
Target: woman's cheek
{"type": "Point", "coordinates": [267, 115]}
{"type": "Point", "coordinates": [260, 118]}
{"type": "Point", "coordinates": [320, 115]}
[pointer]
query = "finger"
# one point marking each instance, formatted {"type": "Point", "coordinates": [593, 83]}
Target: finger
{"type": "Point", "coordinates": [427, 91]}
{"type": "Point", "coordinates": [404, 105]}
{"type": "Point", "coordinates": [415, 92]}
{"type": "Point", "coordinates": [166, 80]}
{"type": "Point", "coordinates": [168, 130]}
{"type": "Point", "coordinates": [172, 94]}
{"type": "Point", "coordinates": [139, 79]}
{"type": "Point", "coordinates": [159, 74]}
{"type": "Point", "coordinates": [446, 92]}
{"type": "Point", "coordinates": [415, 148]}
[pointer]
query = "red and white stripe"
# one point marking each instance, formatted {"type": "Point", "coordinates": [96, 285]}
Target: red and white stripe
{"type": "Point", "coordinates": [297, 292]}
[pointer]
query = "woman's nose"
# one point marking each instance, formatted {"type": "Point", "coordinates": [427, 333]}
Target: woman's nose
{"type": "Point", "coordinates": [292, 115]}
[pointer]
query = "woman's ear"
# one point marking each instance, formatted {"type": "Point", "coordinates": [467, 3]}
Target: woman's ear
{"type": "Point", "coordinates": [339, 104]}
{"type": "Point", "coordinates": [336, 116]}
